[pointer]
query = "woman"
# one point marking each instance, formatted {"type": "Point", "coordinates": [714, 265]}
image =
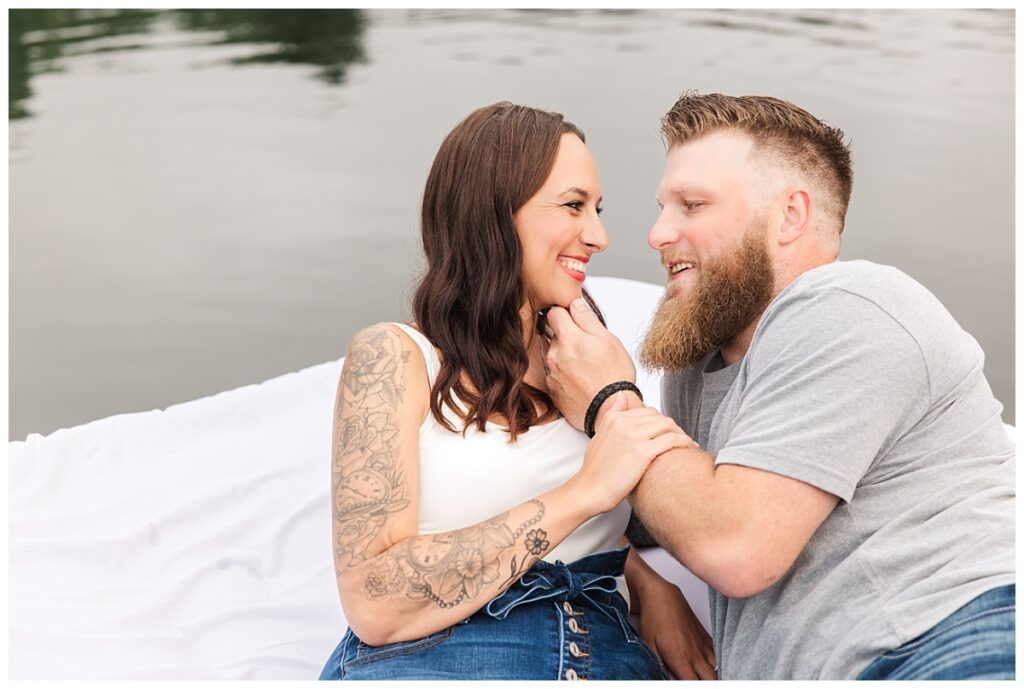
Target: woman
{"type": "Point", "coordinates": [459, 492]}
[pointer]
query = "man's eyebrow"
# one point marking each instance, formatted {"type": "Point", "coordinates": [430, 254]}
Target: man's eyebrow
{"type": "Point", "coordinates": [684, 189]}
{"type": "Point", "coordinates": [692, 189]}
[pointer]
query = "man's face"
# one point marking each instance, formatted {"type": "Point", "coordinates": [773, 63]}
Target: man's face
{"type": "Point", "coordinates": [712, 236]}
{"type": "Point", "coordinates": [707, 200]}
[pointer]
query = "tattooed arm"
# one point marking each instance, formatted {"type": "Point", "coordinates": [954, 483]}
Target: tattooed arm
{"type": "Point", "coordinates": [395, 585]}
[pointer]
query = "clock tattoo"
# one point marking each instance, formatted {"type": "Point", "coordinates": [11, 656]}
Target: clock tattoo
{"type": "Point", "coordinates": [435, 553]}
{"type": "Point", "coordinates": [443, 569]}
{"type": "Point", "coordinates": [364, 490]}
{"type": "Point", "coordinates": [367, 483]}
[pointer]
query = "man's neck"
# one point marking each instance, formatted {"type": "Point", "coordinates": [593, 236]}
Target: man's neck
{"type": "Point", "coordinates": [737, 348]}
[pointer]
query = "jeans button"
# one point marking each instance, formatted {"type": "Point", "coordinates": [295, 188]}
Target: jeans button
{"type": "Point", "coordinates": [571, 674]}
{"type": "Point", "coordinates": [575, 651]}
{"type": "Point", "coordinates": [576, 628]}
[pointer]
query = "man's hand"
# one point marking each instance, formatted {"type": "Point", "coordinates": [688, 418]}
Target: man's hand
{"type": "Point", "coordinates": [667, 623]}
{"type": "Point", "coordinates": [672, 630]}
{"type": "Point", "coordinates": [581, 359]}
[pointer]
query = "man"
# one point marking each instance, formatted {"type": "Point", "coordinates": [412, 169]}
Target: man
{"type": "Point", "coordinates": [852, 506]}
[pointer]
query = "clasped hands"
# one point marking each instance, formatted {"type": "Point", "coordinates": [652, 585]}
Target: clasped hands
{"type": "Point", "coordinates": [582, 357]}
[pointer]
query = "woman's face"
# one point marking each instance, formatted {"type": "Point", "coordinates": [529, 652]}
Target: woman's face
{"type": "Point", "coordinates": [560, 228]}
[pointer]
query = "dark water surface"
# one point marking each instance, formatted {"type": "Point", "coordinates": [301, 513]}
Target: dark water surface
{"type": "Point", "coordinates": [208, 198]}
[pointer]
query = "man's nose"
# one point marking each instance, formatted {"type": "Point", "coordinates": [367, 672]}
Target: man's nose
{"type": "Point", "coordinates": [663, 233]}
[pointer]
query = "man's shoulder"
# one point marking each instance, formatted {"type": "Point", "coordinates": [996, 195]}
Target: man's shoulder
{"type": "Point", "coordinates": [869, 288]}
{"type": "Point", "coordinates": [867, 304]}
{"type": "Point", "coordinates": [856, 277]}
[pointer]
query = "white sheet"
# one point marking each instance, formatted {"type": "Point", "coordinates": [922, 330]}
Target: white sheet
{"type": "Point", "coordinates": [194, 542]}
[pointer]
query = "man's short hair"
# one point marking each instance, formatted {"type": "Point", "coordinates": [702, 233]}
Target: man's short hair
{"type": "Point", "coordinates": [776, 126]}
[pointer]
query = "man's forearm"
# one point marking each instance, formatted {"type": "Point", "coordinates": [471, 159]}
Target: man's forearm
{"type": "Point", "coordinates": [641, 579]}
{"type": "Point", "coordinates": [736, 527]}
{"type": "Point", "coordinates": [681, 502]}
{"type": "Point", "coordinates": [673, 500]}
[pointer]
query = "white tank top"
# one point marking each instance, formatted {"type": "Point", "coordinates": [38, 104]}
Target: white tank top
{"type": "Point", "coordinates": [466, 480]}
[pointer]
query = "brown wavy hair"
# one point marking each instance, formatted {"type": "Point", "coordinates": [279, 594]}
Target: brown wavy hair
{"type": "Point", "coordinates": [468, 302]}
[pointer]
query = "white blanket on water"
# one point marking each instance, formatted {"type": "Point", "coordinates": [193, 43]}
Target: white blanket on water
{"type": "Point", "coordinates": [194, 542]}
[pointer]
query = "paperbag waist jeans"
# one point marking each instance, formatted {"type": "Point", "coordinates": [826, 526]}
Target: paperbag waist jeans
{"type": "Point", "coordinates": [559, 621]}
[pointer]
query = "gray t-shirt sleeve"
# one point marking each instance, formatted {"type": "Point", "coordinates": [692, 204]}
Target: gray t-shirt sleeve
{"type": "Point", "coordinates": [832, 381]}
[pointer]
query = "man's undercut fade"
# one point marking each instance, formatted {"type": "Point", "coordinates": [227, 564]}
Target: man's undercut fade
{"type": "Point", "coordinates": [778, 127]}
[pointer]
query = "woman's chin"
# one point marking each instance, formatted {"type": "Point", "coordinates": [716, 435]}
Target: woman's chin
{"type": "Point", "coordinates": [568, 298]}
{"type": "Point", "coordinates": [563, 300]}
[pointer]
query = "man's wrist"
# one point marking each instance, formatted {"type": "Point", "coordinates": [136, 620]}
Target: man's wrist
{"type": "Point", "coordinates": [632, 402]}
{"type": "Point", "coordinates": [602, 396]}
{"type": "Point", "coordinates": [642, 578]}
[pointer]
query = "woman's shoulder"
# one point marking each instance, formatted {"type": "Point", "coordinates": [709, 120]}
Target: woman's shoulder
{"type": "Point", "coordinates": [384, 342]}
{"type": "Point", "coordinates": [381, 330]}
{"type": "Point", "coordinates": [386, 351]}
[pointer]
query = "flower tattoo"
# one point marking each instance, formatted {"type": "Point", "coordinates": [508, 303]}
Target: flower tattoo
{"type": "Point", "coordinates": [536, 541]}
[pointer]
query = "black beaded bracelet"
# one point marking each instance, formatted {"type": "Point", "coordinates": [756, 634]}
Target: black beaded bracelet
{"type": "Point", "coordinates": [600, 397]}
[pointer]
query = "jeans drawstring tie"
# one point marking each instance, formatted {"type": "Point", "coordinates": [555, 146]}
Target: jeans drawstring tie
{"type": "Point", "coordinates": [563, 582]}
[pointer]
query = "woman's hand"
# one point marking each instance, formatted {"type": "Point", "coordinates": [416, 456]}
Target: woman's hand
{"type": "Point", "coordinates": [625, 444]}
{"type": "Point", "coordinates": [672, 630]}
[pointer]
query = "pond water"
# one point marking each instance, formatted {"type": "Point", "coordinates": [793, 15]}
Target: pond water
{"type": "Point", "coordinates": [203, 199]}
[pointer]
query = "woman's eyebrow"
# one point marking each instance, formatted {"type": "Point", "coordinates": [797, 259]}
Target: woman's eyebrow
{"type": "Point", "coordinates": [576, 190]}
{"type": "Point", "coordinates": [581, 192]}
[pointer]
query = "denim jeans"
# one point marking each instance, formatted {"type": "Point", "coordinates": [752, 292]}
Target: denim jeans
{"type": "Point", "coordinates": [975, 642]}
{"type": "Point", "coordinates": [557, 622]}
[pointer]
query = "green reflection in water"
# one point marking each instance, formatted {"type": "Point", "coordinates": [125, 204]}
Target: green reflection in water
{"type": "Point", "coordinates": [329, 39]}
{"type": "Point", "coordinates": [37, 38]}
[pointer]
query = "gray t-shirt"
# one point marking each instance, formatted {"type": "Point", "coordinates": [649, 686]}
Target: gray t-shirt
{"type": "Point", "coordinates": [859, 382]}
